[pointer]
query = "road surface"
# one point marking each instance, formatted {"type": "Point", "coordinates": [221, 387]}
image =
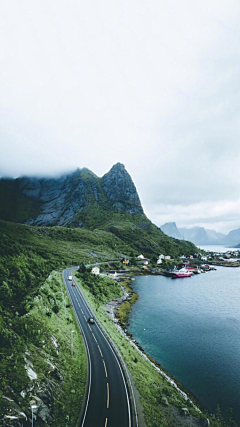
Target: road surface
{"type": "Point", "coordinates": [107, 399]}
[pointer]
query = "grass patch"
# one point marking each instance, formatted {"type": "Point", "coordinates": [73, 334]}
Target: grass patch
{"type": "Point", "coordinates": [71, 373]}
{"type": "Point", "coordinates": [40, 341]}
{"type": "Point", "coordinates": [124, 310]}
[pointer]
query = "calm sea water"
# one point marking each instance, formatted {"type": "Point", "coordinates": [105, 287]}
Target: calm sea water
{"type": "Point", "coordinates": [191, 326]}
{"type": "Point", "coordinates": [217, 248]}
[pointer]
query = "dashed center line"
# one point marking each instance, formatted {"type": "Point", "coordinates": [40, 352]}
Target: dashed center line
{"type": "Point", "coordinates": [105, 368]}
{"type": "Point", "coordinates": [94, 337]}
{"type": "Point", "coordinates": [106, 422]}
{"type": "Point", "coordinates": [100, 351]}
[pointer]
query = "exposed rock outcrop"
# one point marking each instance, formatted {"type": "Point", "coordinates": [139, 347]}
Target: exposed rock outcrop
{"type": "Point", "coordinates": [120, 190]}
{"type": "Point", "coordinates": [68, 199]}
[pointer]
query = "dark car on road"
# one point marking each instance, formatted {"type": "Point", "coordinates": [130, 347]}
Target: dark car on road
{"type": "Point", "coordinates": [91, 320]}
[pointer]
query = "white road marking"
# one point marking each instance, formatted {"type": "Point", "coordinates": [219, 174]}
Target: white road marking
{"type": "Point", "coordinates": [105, 368]}
{"type": "Point", "coordinates": [100, 351]}
{"type": "Point", "coordinates": [107, 395]}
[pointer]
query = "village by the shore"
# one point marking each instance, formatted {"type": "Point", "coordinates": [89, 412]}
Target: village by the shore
{"type": "Point", "coordinates": [167, 266]}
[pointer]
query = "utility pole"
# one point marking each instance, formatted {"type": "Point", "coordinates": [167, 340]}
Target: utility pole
{"type": "Point", "coordinates": [33, 407]}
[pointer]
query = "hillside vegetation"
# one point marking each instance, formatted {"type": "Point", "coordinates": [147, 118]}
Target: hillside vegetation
{"type": "Point", "coordinates": [84, 201]}
{"type": "Point", "coordinates": [145, 237]}
{"type": "Point", "coordinates": [36, 323]}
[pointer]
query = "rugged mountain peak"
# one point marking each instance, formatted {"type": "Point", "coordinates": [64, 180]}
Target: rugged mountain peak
{"type": "Point", "coordinates": [120, 190]}
{"type": "Point", "coordinates": [117, 167]}
{"type": "Point", "coordinates": [71, 199]}
{"type": "Point", "coordinates": [170, 228]}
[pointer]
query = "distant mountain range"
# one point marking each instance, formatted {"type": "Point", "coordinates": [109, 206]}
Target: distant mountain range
{"type": "Point", "coordinates": [202, 236]}
{"type": "Point", "coordinates": [83, 200]}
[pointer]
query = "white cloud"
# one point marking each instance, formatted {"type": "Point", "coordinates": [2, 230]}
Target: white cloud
{"type": "Point", "coordinates": [152, 85]}
{"type": "Point", "coordinates": [222, 216]}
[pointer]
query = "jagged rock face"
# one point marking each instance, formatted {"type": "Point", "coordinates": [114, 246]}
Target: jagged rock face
{"type": "Point", "coordinates": [62, 200]}
{"type": "Point", "coordinates": [121, 191]}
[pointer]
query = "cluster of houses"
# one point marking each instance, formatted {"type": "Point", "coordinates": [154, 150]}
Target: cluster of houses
{"type": "Point", "coordinates": [143, 261]}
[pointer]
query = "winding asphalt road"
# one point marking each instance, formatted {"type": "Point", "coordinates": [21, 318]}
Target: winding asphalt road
{"type": "Point", "coordinates": [107, 400]}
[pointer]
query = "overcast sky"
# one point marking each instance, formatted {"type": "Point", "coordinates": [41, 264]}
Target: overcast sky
{"type": "Point", "coordinates": [154, 85]}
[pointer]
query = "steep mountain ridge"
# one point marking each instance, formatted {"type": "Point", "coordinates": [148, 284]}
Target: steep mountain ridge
{"type": "Point", "coordinates": [83, 200]}
{"type": "Point", "coordinates": [61, 201]}
{"type": "Point", "coordinates": [120, 190]}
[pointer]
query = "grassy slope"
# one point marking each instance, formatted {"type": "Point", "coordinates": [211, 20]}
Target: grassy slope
{"type": "Point", "coordinates": [60, 384]}
{"type": "Point", "coordinates": [144, 236]}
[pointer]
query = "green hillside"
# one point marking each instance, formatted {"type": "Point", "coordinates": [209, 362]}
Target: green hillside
{"type": "Point", "coordinates": [145, 237]}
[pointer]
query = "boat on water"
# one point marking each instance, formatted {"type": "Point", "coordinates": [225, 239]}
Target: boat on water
{"type": "Point", "coordinates": [182, 272]}
{"type": "Point", "coordinates": [197, 271]}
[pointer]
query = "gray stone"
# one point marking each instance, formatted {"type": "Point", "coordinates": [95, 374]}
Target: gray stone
{"type": "Point", "coordinates": [164, 401]}
{"type": "Point", "coordinates": [184, 411]}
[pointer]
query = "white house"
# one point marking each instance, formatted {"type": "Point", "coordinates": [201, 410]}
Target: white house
{"type": "Point", "coordinates": [112, 274]}
{"type": "Point", "coordinates": [95, 270]}
{"type": "Point", "coordinates": [160, 258]}
{"type": "Point", "coordinates": [140, 257]}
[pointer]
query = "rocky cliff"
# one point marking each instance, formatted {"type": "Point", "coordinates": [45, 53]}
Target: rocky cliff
{"type": "Point", "coordinates": [66, 200]}
{"type": "Point", "coordinates": [120, 190]}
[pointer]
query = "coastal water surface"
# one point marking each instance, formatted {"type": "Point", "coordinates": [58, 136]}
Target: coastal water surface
{"type": "Point", "coordinates": [191, 327]}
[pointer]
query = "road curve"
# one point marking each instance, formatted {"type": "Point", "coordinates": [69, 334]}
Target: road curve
{"type": "Point", "coordinates": [107, 399]}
